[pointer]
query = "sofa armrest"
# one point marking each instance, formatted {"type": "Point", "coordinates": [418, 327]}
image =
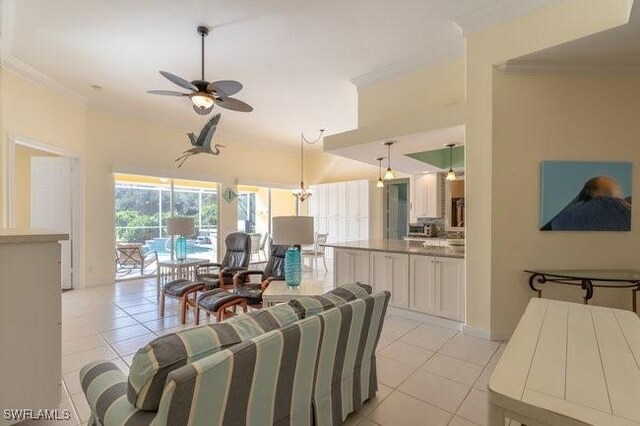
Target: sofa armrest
{"type": "Point", "coordinates": [105, 388]}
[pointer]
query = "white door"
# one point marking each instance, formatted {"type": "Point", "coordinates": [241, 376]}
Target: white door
{"type": "Point", "coordinates": [51, 205]}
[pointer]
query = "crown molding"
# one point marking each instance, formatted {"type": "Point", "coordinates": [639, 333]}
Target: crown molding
{"type": "Point", "coordinates": [449, 49]}
{"type": "Point", "coordinates": [29, 73]}
{"type": "Point", "coordinates": [559, 68]}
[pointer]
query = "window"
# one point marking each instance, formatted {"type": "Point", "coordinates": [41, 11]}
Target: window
{"type": "Point", "coordinates": [143, 204]}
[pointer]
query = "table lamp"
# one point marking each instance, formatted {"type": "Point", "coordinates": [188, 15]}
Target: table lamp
{"type": "Point", "coordinates": [182, 227]}
{"type": "Point", "coordinates": [293, 231]}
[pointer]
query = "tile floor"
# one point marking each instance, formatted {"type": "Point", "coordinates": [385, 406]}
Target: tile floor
{"type": "Point", "coordinates": [427, 375]}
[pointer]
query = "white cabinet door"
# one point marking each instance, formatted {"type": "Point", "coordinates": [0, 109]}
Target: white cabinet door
{"type": "Point", "coordinates": [342, 199]}
{"type": "Point", "coordinates": [390, 271]}
{"type": "Point", "coordinates": [377, 274]}
{"type": "Point", "coordinates": [399, 276]}
{"type": "Point", "coordinates": [353, 199]}
{"type": "Point", "coordinates": [333, 229]}
{"type": "Point", "coordinates": [422, 284]}
{"type": "Point", "coordinates": [426, 196]}
{"type": "Point", "coordinates": [351, 266]}
{"type": "Point", "coordinates": [363, 198]}
{"type": "Point", "coordinates": [353, 229]}
{"type": "Point", "coordinates": [364, 229]}
{"type": "Point", "coordinates": [450, 288]}
{"type": "Point", "coordinates": [332, 200]}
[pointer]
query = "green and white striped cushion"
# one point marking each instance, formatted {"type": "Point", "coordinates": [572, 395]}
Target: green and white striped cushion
{"type": "Point", "coordinates": [313, 305]}
{"type": "Point", "coordinates": [157, 359]}
{"type": "Point", "coordinates": [313, 372]}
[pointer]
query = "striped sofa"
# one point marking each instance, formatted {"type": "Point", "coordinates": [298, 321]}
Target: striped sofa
{"type": "Point", "coordinates": [309, 362]}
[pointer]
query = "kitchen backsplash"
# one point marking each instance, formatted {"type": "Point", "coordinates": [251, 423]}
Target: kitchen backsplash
{"type": "Point", "coordinates": [439, 225]}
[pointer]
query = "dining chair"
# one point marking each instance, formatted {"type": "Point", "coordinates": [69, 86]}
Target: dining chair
{"type": "Point", "coordinates": [318, 250]}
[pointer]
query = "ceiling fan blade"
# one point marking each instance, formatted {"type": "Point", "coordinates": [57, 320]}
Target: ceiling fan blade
{"type": "Point", "coordinates": [167, 93]}
{"type": "Point", "coordinates": [233, 104]}
{"type": "Point", "coordinates": [179, 81]}
{"type": "Point", "coordinates": [224, 88]}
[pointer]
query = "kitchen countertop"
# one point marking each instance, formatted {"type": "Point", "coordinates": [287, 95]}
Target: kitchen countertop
{"type": "Point", "coordinates": [398, 246]}
{"type": "Point", "coordinates": [16, 235]}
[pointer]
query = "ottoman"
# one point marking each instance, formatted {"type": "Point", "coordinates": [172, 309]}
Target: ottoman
{"type": "Point", "coordinates": [220, 302]}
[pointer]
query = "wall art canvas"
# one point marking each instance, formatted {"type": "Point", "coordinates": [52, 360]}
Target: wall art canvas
{"type": "Point", "coordinates": [585, 196]}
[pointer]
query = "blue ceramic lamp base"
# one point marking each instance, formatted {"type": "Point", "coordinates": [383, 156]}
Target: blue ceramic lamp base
{"type": "Point", "coordinates": [181, 248]}
{"type": "Point", "coordinates": [293, 266]}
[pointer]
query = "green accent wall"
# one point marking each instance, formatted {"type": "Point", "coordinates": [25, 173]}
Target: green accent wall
{"type": "Point", "coordinates": [440, 157]}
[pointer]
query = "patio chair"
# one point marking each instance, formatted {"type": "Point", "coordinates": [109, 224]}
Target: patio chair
{"type": "Point", "coordinates": [132, 255]}
{"type": "Point", "coordinates": [317, 250]}
{"type": "Point", "coordinates": [255, 245]}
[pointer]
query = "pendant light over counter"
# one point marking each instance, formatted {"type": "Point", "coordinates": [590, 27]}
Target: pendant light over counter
{"type": "Point", "coordinates": [380, 183]}
{"type": "Point", "coordinates": [389, 173]}
{"type": "Point", "coordinates": [451, 175]}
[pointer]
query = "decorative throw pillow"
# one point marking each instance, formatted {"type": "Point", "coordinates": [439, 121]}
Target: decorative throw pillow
{"type": "Point", "coordinates": [312, 305]}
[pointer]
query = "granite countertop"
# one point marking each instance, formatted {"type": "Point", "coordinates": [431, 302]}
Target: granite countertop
{"type": "Point", "coordinates": [16, 235]}
{"type": "Point", "coordinates": [399, 246]}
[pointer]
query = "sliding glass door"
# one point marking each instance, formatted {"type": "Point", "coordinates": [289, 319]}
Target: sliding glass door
{"type": "Point", "coordinates": [257, 206]}
{"type": "Point", "coordinates": [142, 206]}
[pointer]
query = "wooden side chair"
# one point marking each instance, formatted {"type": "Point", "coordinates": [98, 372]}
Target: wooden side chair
{"type": "Point", "coordinates": [211, 275]}
{"type": "Point", "coordinates": [246, 293]}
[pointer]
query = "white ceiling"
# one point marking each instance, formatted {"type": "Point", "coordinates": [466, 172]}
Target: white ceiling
{"type": "Point", "coordinates": [409, 144]}
{"type": "Point", "coordinates": [296, 58]}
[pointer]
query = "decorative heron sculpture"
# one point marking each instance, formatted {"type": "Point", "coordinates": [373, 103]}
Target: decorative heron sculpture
{"type": "Point", "coordinates": [202, 145]}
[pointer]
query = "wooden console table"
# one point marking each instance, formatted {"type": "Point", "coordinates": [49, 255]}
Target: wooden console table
{"type": "Point", "coordinates": [588, 279]}
{"type": "Point", "coordinates": [569, 364]}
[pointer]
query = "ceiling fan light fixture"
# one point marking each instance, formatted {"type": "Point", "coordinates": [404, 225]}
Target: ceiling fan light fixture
{"type": "Point", "coordinates": [202, 100]}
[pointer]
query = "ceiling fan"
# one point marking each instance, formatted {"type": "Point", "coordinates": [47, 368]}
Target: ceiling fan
{"type": "Point", "coordinates": [204, 94]}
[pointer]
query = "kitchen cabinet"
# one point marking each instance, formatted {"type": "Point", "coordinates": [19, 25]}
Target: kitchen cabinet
{"type": "Point", "coordinates": [350, 266]}
{"type": "Point", "coordinates": [341, 209]}
{"type": "Point", "coordinates": [390, 271]}
{"type": "Point", "coordinates": [437, 286]}
{"type": "Point", "coordinates": [426, 196]}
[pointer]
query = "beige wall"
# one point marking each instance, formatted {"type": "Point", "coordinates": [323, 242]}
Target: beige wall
{"type": "Point", "coordinates": [105, 141]}
{"type": "Point", "coordinates": [538, 30]}
{"type": "Point", "coordinates": [556, 118]}
{"type": "Point", "coordinates": [394, 100]}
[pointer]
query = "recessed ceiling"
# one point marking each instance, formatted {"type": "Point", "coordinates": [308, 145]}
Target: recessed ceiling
{"type": "Point", "coordinates": [295, 58]}
{"type": "Point", "coordinates": [405, 146]}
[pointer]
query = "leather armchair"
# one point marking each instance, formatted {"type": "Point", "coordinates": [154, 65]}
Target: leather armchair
{"type": "Point", "coordinates": [273, 271]}
{"type": "Point", "coordinates": [236, 259]}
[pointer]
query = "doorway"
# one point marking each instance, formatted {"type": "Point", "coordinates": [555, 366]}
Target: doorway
{"type": "Point", "coordinates": [44, 190]}
{"type": "Point", "coordinates": [396, 208]}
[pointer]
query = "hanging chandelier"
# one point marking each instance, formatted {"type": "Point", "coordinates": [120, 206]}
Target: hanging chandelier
{"type": "Point", "coordinates": [451, 175]}
{"type": "Point", "coordinates": [380, 183]}
{"type": "Point", "coordinates": [303, 193]}
{"type": "Point", "coordinates": [389, 173]}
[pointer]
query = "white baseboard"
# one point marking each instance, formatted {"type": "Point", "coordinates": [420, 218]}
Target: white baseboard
{"type": "Point", "coordinates": [486, 334]}
{"type": "Point", "coordinates": [425, 318]}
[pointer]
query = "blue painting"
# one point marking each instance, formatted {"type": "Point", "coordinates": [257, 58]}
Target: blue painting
{"type": "Point", "coordinates": [585, 196]}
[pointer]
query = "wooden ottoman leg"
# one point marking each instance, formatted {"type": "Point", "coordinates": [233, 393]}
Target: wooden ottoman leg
{"type": "Point", "coordinates": [162, 304]}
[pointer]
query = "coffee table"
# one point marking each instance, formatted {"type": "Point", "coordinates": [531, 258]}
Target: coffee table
{"type": "Point", "coordinates": [280, 292]}
{"type": "Point", "coordinates": [169, 270]}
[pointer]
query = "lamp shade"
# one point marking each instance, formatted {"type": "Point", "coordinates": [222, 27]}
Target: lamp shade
{"type": "Point", "coordinates": [293, 230]}
{"type": "Point", "coordinates": [184, 226]}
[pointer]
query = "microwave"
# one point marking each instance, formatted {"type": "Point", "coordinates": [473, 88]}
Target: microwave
{"type": "Point", "coordinates": [420, 230]}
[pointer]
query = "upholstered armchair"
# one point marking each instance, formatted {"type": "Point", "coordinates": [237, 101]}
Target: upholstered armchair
{"type": "Point", "coordinates": [245, 292]}
{"type": "Point", "coordinates": [210, 275]}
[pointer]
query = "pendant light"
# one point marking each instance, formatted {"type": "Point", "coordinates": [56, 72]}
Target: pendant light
{"type": "Point", "coordinates": [451, 175]}
{"type": "Point", "coordinates": [303, 193]}
{"type": "Point", "coordinates": [380, 183]}
{"type": "Point", "coordinates": [389, 173]}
